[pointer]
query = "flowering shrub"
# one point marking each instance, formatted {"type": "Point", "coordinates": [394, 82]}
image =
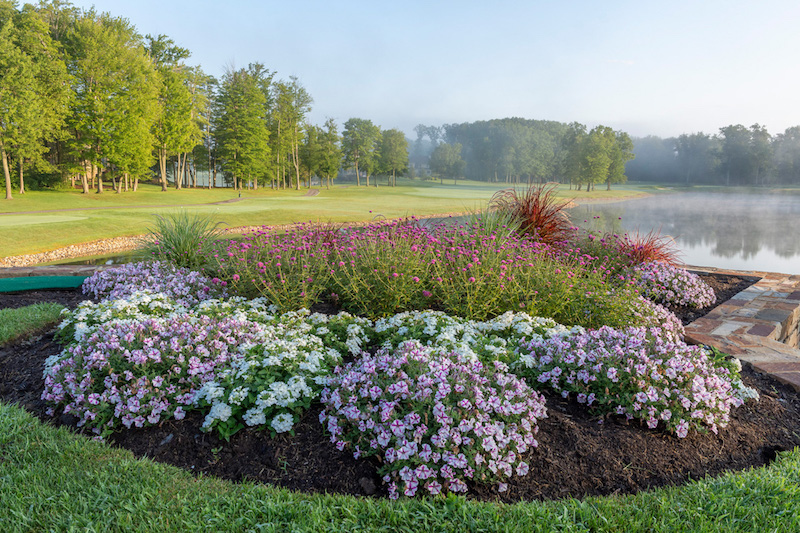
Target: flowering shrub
{"type": "Point", "coordinates": [434, 419]}
{"type": "Point", "coordinates": [136, 373]}
{"type": "Point", "coordinates": [638, 373]}
{"type": "Point", "coordinates": [279, 373]}
{"type": "Point", "coordinates": [664, 283]}
{"type": "Point", "coordinates": [186, 287]}
{"type": "Point", "coordinates": [660, 320]}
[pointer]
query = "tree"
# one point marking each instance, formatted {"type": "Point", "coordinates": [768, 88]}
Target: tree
{"type": "Point", "coordinates": [242, 127]}
{"type": "Point", "coordinates": [697, 155]}
{"type": "Point", "coordinates": [116, 96]}
{"type": "Point", "coordinates": [176, 130]}
{"type": "Point", "coordinates": [359, 140]}
{"type": "Point", "coordinates": [787, 155]}
{"type": "Point", "coordinates": [446, 161]}
{"type": "Point", "coordinates": [572, 165]}
{"type": "Point", "coordinates": [393, 153]}
{"type": "Point", "coordinates": [321, 154]}
{"type": "Point", "coordinates": [621, 153]}
{"type": "Point", "coordinates": [736, 161]}
{"type": "Point", "coordinates": [761, 152]}
{"type": "Point", "coordinates": [34, 90]}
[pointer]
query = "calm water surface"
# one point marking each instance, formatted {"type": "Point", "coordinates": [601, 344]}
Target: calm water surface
{"type": "Point", "coordinates": [737, 231]}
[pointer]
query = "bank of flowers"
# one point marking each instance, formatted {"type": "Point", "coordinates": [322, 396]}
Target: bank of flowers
{"type": "Point", "coordinates": [390, 267]}
{"type": "Point", "coordinates": [443, 397]}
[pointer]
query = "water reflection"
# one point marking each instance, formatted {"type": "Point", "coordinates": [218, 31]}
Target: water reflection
{"type": "Point", "coordinates": [737, 231]}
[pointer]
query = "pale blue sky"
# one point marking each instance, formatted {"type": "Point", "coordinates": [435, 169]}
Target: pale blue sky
{"type": "Point", "coordinates": [661, 68]}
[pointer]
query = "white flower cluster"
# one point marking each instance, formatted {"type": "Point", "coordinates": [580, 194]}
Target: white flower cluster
{"type": "Point", "coordinates": [497, 338]}
{"type": "Point", "coordinates": [139, 306]}
{"type": "Point", "coordinates": [279, 373]}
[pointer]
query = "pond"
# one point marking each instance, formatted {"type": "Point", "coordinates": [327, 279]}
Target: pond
{"type": "Point", "coordinates": [753, 231]}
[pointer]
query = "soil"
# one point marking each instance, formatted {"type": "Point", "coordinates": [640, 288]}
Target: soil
{"type": "Point", "coordinates": [578, 454]}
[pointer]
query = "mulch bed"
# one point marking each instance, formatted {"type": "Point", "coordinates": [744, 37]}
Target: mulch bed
{"type": "Point", "coordinates": [578, 455]}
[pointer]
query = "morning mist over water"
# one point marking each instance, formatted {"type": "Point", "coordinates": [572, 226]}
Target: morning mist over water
{"type": "Point", "coordinates": [752, 231]}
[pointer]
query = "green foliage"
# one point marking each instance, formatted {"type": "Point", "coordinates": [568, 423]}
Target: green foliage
{"type": "Point", "coordinates": [393, 153]}
{"type": "Point", "coordinates": [359, 141]}
{"type": "Point", "coordinates": [116, 88]}
{"type": "Point", "coordinates": [34, 90]}
{"type": "Point", "coordinates": [446, 161]}
{"type": "Point", "coordinates": [24, 321]}
{"type": "Point", "coordinates": [184, 239]}
{"type": "Point", "coordinates": [242, 125]}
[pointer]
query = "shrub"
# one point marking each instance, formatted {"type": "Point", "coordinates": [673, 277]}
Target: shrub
{"type": "Point", "coordinates": [536, 211]}
{"type": "Point", "coordinates": [184, 239]}
{"type": "Point", "coordinates": [664, 283]}
{"type": "Point", "coordinates": [434, 420]}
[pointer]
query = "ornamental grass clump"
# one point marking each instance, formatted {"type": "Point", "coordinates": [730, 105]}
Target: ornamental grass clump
{"type": "Point", "coordinates": [435, 421]}
{"type": "Point", "coordinates": [138, 373]}
{"type": "Point", "coordinates": [638, 373]}
{"type": "Point", "coordinates": [184, 239]}
{"type": "Point", "coordinates": [668, 284]}
{"type": "Point", "coordinates": [186, 287]}
{"type": "Point", "coordinates": [536, 211]}
{"type": "Point", "coordinates": [622, 252]}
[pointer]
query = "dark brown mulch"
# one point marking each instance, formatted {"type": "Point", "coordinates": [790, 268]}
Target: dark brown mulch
{"type": "Point", "coordinates": [578, 454]}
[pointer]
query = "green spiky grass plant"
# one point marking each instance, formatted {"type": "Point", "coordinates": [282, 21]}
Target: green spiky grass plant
{"type": "Point", "coordinates": [24, 321]}
{"type": "Point", "coordinates": [183, 238]}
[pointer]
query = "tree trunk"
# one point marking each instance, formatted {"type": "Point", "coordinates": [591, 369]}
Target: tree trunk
{"type": "Point", "coordinates": [85, 178]}
{"type": "Point", "coordinates": [296, 159]}
{"type": "Point", "coordinates": [178, 173]}
{"type": "Point", "coordinates": [358, 175]}
{"type": "Point", "coordinates": [127, 181]}
{"type": "Point", "coordinates": [135, 183]}
{"type": "Point", "coordinates": [6, 171]}
{"type": "Point", "coordinates": [96, 174]}
{"type": "Point", "coordinates": [21, 177]}
{"type": "Point", "coordinates": [162, 166]}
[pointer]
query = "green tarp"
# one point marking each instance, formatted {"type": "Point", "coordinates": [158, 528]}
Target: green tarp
{"type": "Point", "coordinates": [33, 283]}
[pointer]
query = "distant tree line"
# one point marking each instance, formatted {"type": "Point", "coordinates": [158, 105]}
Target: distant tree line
{"type": "Point", "coordinates": [516, 150]}
{"type": "Point", "coordinates": [86, 100]}
{"type": "Point", "coordinates": [736, 155]}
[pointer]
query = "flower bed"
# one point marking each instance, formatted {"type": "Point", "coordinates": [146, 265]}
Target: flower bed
{"type": "Point", "coordinates": [442, 397]}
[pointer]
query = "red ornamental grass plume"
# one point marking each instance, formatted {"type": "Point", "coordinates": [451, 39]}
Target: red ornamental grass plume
{"type": "Point", "coordinates": [649, 247]}
{"type": "Point", "coordinates": [537, 210]}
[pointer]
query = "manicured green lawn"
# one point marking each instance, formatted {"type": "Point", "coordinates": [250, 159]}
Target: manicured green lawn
{"type": "Point", "coordinates": [106, 215]}
{"type": "Point", "coordinates": [53, 480]}
{"type": "Point", "coordinates": [17, 323]}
